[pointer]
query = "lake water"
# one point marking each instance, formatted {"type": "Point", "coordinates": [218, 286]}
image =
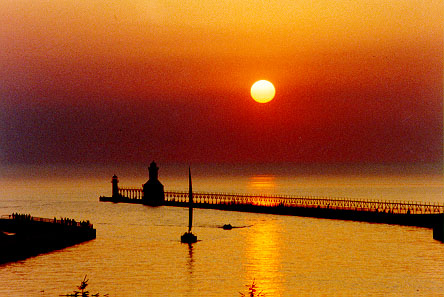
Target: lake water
{"type": "Point", "coordinates": [138, 251]}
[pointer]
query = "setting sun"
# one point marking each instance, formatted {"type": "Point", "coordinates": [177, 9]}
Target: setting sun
{"type": "Point", "coordinates": [262, 91]}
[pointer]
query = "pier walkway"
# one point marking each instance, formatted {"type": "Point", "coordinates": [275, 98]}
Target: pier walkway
{"type": "Point", "coordinates": [396, 207]}
{"type": "Point", "coordinates": [135, 195]}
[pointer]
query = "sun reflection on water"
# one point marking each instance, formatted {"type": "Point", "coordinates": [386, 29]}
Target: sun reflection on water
{"type": "Point", "coordinates": [263, 257]}
{"type": "Point", "coordinates": [262, 184]}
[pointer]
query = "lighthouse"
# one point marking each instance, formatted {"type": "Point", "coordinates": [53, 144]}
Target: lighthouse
{"type": "Point", "coordinates": [153, 192]}
{"type": "Point", "coordinates": [114, 182]}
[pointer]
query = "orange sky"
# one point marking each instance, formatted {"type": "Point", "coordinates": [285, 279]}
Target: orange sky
{"type": "Point", "coordinates": [356, 81]}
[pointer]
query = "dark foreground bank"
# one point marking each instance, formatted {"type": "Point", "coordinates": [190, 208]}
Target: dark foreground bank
{"type": "Point", "coordinates": [23, 236]}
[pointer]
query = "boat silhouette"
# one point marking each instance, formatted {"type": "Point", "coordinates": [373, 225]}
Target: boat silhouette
{"type": "Point", "coordinates": [227, 227]}
{"type": "Point", "coordinates": [189, 237]}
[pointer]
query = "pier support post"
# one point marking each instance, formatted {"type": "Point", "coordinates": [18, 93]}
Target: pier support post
{"type": "Point", "coordinates": [438, 229]}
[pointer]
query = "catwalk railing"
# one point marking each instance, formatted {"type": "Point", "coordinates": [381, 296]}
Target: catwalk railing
{"type": "Point", "coordinates": [132, 193]}
{"type": "Point", "coordinates": [389, 206]}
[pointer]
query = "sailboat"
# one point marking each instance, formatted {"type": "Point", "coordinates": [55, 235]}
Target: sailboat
{"type": "Point", "coordinates": [189, 237]}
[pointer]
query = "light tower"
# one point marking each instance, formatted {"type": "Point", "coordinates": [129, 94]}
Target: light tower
{"type": "Point", "coordinates": [153, 193]}
{"type": "Point", "coordinates": [114, 182]}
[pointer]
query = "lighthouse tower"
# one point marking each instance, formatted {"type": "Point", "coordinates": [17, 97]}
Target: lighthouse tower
{"type": "Point", "coordinates": [153, 193]}
{"type": "Point", "coordinates": [114, 182]}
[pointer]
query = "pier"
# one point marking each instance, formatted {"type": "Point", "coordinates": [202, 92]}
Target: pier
{"type": "Point", "coordinates": [378, 211]}
{"type": "Point", "coordinates": [23, 236]}
{"type": "Point", "coordinates": [135, 195]}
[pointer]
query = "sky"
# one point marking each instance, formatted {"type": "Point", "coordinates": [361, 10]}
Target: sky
{"type": "Point", "coordinates": [129, 81]}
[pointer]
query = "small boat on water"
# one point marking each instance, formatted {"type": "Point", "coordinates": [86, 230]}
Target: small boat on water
{"type": "Point", "coordinates": [189, 237]}
{"type": "Point", "coordinates": [227, 227]}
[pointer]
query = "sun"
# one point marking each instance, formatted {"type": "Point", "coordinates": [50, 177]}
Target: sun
{"type": "Point", "coordinates": [262, 91]}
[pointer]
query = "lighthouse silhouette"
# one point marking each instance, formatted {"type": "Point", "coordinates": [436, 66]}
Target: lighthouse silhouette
{"type": "Point", "coordinates": [153, 192]}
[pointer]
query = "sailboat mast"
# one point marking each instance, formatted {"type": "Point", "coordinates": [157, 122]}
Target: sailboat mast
{"type": "Point", "coordinates": [190, 216]}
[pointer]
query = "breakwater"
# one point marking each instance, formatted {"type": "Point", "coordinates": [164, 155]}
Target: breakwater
{"type": "Point", "coordinates": [376, 211]}
{"type": "Point", "coordinates": [23, 236]}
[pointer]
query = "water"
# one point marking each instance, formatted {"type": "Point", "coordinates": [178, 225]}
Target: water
{"type": "Point", "coordinates": [138, 251]}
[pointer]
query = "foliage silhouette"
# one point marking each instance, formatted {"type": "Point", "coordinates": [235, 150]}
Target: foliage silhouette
{"type": "Point", "coordinates": [252, 291]}
{"type": "Point", "coordinates": [82, 292]}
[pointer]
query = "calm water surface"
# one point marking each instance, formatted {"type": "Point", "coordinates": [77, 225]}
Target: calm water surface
{"type": "Point", "coordinates": [138, 253]}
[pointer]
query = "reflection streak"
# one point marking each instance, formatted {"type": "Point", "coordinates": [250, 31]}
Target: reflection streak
{"type": "Point", "coordinates": [262, 184]}
{"type": "Point", "coordinates": [263, 257]}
